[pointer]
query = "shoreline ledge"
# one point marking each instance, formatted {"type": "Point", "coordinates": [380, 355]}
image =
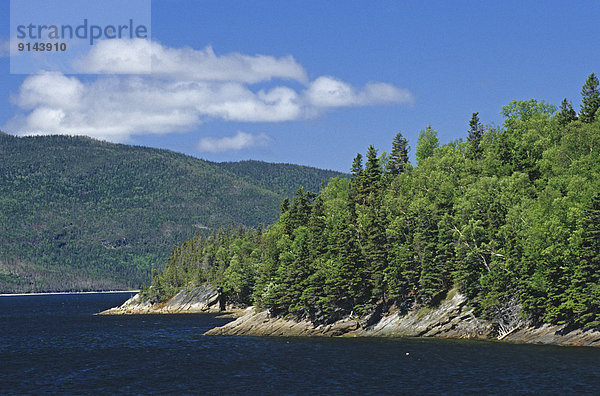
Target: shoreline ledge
{"type": "Point", "coordinates": [200, 299]}
{"type": "Point", "coordinates": [453, 318]}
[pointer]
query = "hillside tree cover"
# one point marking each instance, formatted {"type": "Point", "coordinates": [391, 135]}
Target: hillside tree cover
{"type": "Point", "coordinates": [510, 217]}
{"type": "Point", "coordinates": [81, 214]}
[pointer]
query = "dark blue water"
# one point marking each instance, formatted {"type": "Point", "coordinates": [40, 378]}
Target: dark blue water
{"type": "Point", "coordinates": [54, 344]}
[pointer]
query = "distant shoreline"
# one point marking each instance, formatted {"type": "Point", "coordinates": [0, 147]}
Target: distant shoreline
{"type": "Point", "coordinates": [56, 293]}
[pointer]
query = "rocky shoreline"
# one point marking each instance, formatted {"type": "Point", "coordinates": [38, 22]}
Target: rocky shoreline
{"type": "Point", "coordinates": [452, 319]}
{"type": "Point", "coordinates": [202, 299]}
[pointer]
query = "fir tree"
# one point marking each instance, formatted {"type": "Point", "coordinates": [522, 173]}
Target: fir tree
{"type": "Point", "coordinates": [399, 156]}
{"type": "Point", "coordinates": [316, 225]}
{"type": "Point", "coordinates": [585, 284]}
{"type": "Point", "coordinates": [591, 99]}
{"type": "Point", "coordinates": [285, 205]}
{"type": "Point", "coordinates": [566, 113]}
{"type": "Point", "coordinates": [475, 136]}
{"type": "Point", "coordinates": [372, 172]}
{"type": "Point", "coordinates": [357, 166]}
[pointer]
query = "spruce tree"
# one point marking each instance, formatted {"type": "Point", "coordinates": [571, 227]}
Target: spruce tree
{"type": "Point", "coordinates": [475, 136]}
{"type": "Point", "coordinates": [357, 166]}
{"type": "Point", "coordinates": [375, 250]}
{"type": "Point", "coordinates": [316, 225]}
{"type": "Point", "coordinates": [372, 172]}
{"type": "Point", "coordinates": [585, 283]}
{"type": "Point", "coordinates": [357, 182]}
{"type": "Point", "coordinates": [285, 205]}
{"type": "Point", "coordinates": [591, 99]}
{"type": "Point", "coordinates": [566, 113]}
{"type": "Point", "coordinates": [399, 155]}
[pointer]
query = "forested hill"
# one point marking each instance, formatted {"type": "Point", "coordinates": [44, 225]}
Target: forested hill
{"type": "Point", "coordinates": [276, 177]}
{"type": "Point", "coordinates": [509, 216]}
{"type": "Point", "coordinates": [80, 214]}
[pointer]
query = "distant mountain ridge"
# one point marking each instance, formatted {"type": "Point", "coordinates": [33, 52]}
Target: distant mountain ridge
{"type": "Point", "coordinates": [82, 214]}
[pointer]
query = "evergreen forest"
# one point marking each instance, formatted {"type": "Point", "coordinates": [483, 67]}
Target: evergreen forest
{"type": "Point", "coordinates": [509, 216]}
{"type": "Point", "coordinates": [81, 214]}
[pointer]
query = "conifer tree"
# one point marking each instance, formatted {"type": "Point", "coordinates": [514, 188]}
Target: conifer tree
{"type": "Point", "coordinates": [299, 211]}
{"type": "Point", "coordinates": [346, 287]}
{"type": "Point", "coordinates": [475, 136]}
{"type": "Point", "coordinates": [285, 205]}
{"type": "Point", "coordinates": [357, 166]}
{"type": "Point", "coordinates": [373, 240]}
{"type": "Point", "coordinates": [591, 99]}
{"type": "Point", "coordinates": [431, 277]}
{"type": "Point", "coordinates": [372, 172]}
{"type": "Point", "coordinates": [357, 182]}
{"type": "Point", "coordinates": [316, 225]}
{"type": "Point", "coordinates": [399, 155]}
{"type": "Point", "coordinates": [566, 113]}
{"type": "Point", "coordinates": [585, 284]}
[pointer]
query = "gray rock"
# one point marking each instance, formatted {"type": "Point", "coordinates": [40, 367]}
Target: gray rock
{"type": "Point", "coordinates": [192, 299]}
{"type": "Point", "coordinates": [453, 318]}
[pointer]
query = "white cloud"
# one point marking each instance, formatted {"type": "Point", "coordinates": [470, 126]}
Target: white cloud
{"type": "Point", "coordinates": [185, 89]}
{"type": "Point", "coordinates": [117, 57]}
{"type": "Point", "coordinates": [328, 91]}
{"type": "Point", "coordinates": [51, 89]}
{"type": "Point", "coordinates": [241, 140]}
{"type": "Point", "coordinates": [134, 56]}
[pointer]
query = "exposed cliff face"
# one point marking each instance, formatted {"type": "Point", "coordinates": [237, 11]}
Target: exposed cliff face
{"type": "Point", "coordinates": [452, 319]}
{"type": "Point", "coordinates": [202, 299]}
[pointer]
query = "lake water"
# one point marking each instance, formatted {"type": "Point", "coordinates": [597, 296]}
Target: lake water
{"type": "Point", "coordinates": [55, 344]}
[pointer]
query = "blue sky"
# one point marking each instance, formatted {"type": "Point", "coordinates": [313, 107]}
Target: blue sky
{"type": "Point", "coordinates": [310, 82]}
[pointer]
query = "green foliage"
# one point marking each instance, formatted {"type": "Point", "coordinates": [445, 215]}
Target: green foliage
{"type": "Point", "coordinates": [511, 218]}
{"type": "Point", "coordinates": [80, 214]}
{"type": "Point", "coordinates": [525, 109]}
{"type": "Point", "coordinates": [426, 144]}
{"type": "Point", "coordinates": [475, 136]}
{"type": "Point", "coordinates": [566, 113]}
{"type": "Point", "coordinates": [590, 98]}
{"type": "Point", "coordinates": [398, 161]}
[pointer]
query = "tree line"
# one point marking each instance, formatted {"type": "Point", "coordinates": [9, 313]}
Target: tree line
{"type": "Point", "coordinates": [510, 217]}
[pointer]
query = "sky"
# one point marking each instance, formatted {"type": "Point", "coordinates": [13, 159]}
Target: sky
{"type": "Point", "coordinates": [304, 82]}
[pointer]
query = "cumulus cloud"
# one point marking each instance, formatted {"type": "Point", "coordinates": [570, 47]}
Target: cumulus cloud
{"type": "Point", "coordinates": [117, 57]}
{"type": "Point", "coordinates": [186, 88]}
{"type": "Point", "coordinates": [241, 140]}
{"type": "Point", "coordinates": [136, 57]}
{"type": "Point", "coordinates": [327, 91]}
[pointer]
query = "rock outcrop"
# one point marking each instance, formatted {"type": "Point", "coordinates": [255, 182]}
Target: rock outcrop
{"type": "Point", "coordinates": [557, 335]}
{"type": "Point", "coordinates": [197, 299]}
{"type": "Point", "coordinates": [261, 324]}
{"type": "Point", "coordinates": [453, 318]}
